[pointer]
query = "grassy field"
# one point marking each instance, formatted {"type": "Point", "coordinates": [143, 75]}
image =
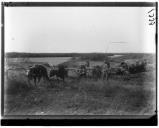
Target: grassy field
{"type": "Point", "coordinates": [117, 96]}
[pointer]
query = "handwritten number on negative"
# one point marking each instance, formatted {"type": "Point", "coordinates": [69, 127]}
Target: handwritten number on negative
{"type": "Point", "coordinates": [151, 17]}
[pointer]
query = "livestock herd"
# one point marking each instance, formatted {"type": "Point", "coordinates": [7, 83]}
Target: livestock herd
{"type": "Point", "coordinates": [60, 72]}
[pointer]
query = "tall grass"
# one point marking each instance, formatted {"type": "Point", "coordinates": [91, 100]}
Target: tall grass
{"type": "Point", "coordinates": [80, 97]}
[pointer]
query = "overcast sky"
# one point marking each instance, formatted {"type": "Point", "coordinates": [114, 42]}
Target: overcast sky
{"type": "Point", "coordinates": [78, 29]}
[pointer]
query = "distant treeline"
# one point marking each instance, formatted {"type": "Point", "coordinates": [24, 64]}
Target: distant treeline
{"type": "Point", "coordinates": [83, 56]}
{"type": "Point", "coordinates": [19, 55]}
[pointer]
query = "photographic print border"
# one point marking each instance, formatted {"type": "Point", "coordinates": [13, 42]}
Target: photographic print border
{"type": "Point", "coordinates": [72, 120]}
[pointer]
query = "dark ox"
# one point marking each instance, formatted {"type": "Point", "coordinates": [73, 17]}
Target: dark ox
{"type": "Point", "coordinates": [97, 72]}
{"type": "Point", "coordinates": [37, 72]}
{"type": "Point", "coordinates": [61, 72]}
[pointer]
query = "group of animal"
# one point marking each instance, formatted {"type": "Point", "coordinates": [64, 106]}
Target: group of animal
{"type": "Point", "coordinates": [37, 72]}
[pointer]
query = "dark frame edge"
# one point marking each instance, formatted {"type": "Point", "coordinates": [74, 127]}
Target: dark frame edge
{"type": "Point", "coordinates": [83, 4]}
{"type": "Point", "coordinates": [2, 59]}
{"type": "Point", "coordinates": [152, 121]}
{"type": "Point", "coordinates": [156, 39]}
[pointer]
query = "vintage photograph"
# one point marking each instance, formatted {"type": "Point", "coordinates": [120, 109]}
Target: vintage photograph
{"type": "Point", "coordinates": [79, 61]}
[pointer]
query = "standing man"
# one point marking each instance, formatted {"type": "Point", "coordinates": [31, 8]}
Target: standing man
{"type": "Point", "coordinates": [87, 63]}
{"type": "Point", "coordinates": [106, 70]}
{"type": "Point", "coordinates": [88, 71]}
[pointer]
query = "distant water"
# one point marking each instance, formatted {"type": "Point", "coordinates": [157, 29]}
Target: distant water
{"type": "Point", "coordinates": [50, 60]}
{"type": "Point", "coordinates": [115, 56]}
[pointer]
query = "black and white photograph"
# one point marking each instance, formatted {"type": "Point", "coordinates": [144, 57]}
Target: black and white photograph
{"type": "Point", "coordinates": [79, 60]}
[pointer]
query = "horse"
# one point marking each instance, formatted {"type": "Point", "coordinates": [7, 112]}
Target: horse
{"type": "Point", "coordinates": [36, 72]}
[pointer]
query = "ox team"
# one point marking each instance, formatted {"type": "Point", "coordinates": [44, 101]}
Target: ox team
{"type": "Point", "coordinates": [36, 72]}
